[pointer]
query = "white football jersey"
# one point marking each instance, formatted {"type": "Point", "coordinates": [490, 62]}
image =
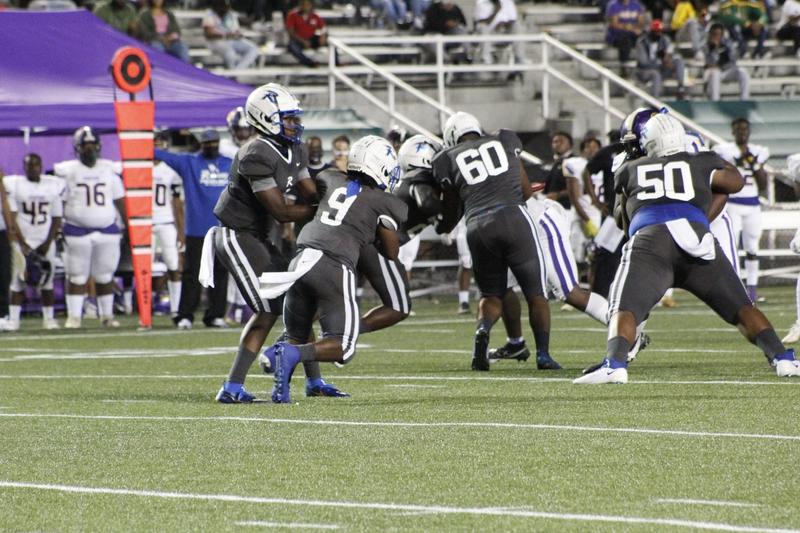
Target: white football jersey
{"type": "Point", "coordinates": [228, 148]}
{"type": "Point", "coordinates": [35, 203]}
{"type": "Point", "coordinates": [730, 153]}
{"type": "Point", "coordinates": [573, 167]}
{"type": "Point", "coordinates": [165, 181]}
{"type": "Point", "coordinates": [89, 192]}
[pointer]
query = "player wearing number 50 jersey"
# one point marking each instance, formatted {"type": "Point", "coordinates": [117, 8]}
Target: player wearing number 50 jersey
{"type": "Point", "coordinates": [666, 200]}
{"type": "Point", "coordinates": [35, 203]}
{"type": "Point", "coordinates": [93, 194]}
{"type": "Point", "coordinates": [483, 175]}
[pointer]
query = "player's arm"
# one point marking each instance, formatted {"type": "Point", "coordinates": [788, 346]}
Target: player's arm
{"type": "Point", "coordinates": [427, 199]}
{"type": "Point", "coordinates": [621, 212]}
{"type": "Point", "coordinates": [55, 227]}
{"type": "Point", "coordinates": [726, 180]}
{"type": "Point", "coordinates": [177, 162]}
{"type": "Point", "coordinates": [272, 200]}
{"type": "Point", "coordinates": [120, 205]}
{"type": "Point", "coordinates": [574, 193]}
{"type": "Point", "coordinates": [308, 190]}
{"type": "Point", "coordinates": [389, 242]}
{"type": "Point", "coordinates": [178, 214]}
{"type": "Point", "coordinates": [451, 214]}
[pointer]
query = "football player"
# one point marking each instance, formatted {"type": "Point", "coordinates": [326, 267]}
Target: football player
{"type": "Point", "coordinates": [93, 194]}
{"type": "Point", "coordinates": [253, 199]}
{"type": "Point", "coordinates": [744, 207]}
{"type": "Point", "coordinates": [37, 209]}
{"type": "Point", "coordinates": [665, 201]}
{"type": "Point", "coordinates": [584, 217]}
{"type": "Point", "coordinates": [355, 210]}
{"type": "Point", "coordinates": [483, 175]}
{"type": "Point", "coordinates": [240, 132]}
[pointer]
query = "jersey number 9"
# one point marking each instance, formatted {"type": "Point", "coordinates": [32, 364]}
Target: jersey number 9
{"type": "Point", "coordinates": [338, 203]}
{"type": "Point", "coordinates": [489, 159]}
{"type": "Point", "coordinates": [659, 181]}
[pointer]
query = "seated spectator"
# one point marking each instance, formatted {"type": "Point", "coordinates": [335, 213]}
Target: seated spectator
{"type": "Point", "coordinates": [789, 24]}
{"type": "Point", "coordinates": [396, 12]}
{"type": "Point", "coordinates": [159, 27]}
{"type": "Point", "coordinates": [306, 31]}
{"type": "Point", "coordinates": [720, 60]}
{"type": "Point", "coordinates": [655, 60]}
{"type": "Point", "coordinates": [745, 19]}
{"type": "Point", "coordinates": [221, 28]}
{"type": "Point", "coordinates": [119, 14]}
{"type": "Point", "coordinates": [495, 17]}
{"type": "Point", "coordinates": [686, 25]}
{"type": "Point", "coordinates": [625, 23]}
{"type": "Point", "coordinates": [446, 18]}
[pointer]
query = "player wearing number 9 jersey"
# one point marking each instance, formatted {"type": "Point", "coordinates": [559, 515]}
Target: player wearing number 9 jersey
{"type": "Point", "coordinates": [667, 199]}
{"type": "Point", "coordinates": [483, 175]}
{"type": "Point", "coordinates": [93, 194]}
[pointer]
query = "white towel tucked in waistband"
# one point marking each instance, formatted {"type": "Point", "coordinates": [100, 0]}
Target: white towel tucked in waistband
{"type": "Point", "coordinates": [273, 284]}
{"type": "Point", "coordinates": [686, 238]}
{"type": "Point", "coordinates": [206, 275]}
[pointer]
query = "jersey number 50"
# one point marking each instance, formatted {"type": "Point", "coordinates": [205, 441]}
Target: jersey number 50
{"type": "Point", "coordinates": [663, 181]}
{"type": "Point", "coordinates": [338, 203]}
{"type": "Point", "coordinates": [488, 159]}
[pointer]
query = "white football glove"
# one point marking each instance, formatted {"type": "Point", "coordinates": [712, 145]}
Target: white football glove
{"type": "Point", "coordinates": [795, 244]}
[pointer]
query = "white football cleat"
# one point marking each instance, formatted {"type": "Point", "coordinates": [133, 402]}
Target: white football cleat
{"type": "Point", "coordinates": [793, 335]}
{"type": "Point", "coordinates": [50, 324]}
{"type": "Point", "coordinates": [604, 374]}
{"type": "Point", "coordinates": [110, 323]}
{"type": "Point", "coordinates": [184, 323]}
{"type": "Point", "coordinates": [786, 368]}
{"type": "Point", "coordinates": [11, 325]}
{"type": "Point", "coordinates": [641, 342]}
{"type": "Point", "coordinates": [73, 322]}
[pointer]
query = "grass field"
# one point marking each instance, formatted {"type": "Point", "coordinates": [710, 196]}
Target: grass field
{"type": "Point", "coordinates": [117, 431]}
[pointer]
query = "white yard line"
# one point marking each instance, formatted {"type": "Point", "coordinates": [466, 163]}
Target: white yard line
{"type": "Point", "coordinates": [121, 354]}
{"type": "Point", "coordinates": [413, 386]}
{"type": "Point", "coordinates": [378, 506]}
{"type": "Point", "coordinates": [719, 503]}
{"type": "Point", "coordinates": [82, 334]}
{"type": "Point", "coordinates": [285, 525]}
{"type": "Point", "coordinates": [128, 401]}
{"type": "Point", "coordinates": [364, 423]}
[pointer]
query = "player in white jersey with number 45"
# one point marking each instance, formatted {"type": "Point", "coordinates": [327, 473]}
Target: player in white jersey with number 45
{"type": "Point", "coordinates": [168, 226]}
{"type": "Point", "coordinates": [92, 196]}
{"type": "Point", "coordinates": [36, 206]}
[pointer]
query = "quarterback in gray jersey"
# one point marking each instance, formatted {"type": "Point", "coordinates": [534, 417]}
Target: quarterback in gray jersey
{"type": "Point", "coordinates": [666, 200]}
{"type": "Point", "coordinates": [483, 175]}
{"type": "Point", "coordinates": [354, 210]}
{"type": "Point", "coordinates": [262, 169]}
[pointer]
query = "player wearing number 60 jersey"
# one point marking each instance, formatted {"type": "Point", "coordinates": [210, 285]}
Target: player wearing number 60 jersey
{"type": "Point", "coordinates": [93, 194]}
{"type": "Point", "coordinates": [484, 175]}
{"type": "Point", "coordinates": [666, 200]}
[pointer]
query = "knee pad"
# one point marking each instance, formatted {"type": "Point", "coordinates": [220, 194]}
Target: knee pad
{"type": "Point", "coordinates": [79, 280]}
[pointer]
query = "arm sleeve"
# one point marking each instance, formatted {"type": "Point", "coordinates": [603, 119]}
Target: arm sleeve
{"type": "Point", "coordinates": [440, 171]}
{"type": "Point", "coordinates": [177, 162]}
{"type": "Point", "coordinates": [117, 190]}
{"type": "Point", "coordinates": [510, 140]}
{"type": "Point", "coordinates": [303, 173]}
{"type": "Point", "coordinates": [259, 171]}
{"type": "Point", "coordinates": [8, 185]}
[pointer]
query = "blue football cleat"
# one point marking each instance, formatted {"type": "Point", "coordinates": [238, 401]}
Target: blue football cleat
{"type": "Point", "coordinates": [287, 356]}
{"type": "Point", "coordinates": [234, 393]}
{"type": "Point", "coordinates": [266, 360]}
{"type": "Point", "coordinates": [318, 387]}
{"type": "Point", "coordinates": [545, 362]}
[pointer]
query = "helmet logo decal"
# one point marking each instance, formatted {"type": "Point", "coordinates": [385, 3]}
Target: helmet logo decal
{"type": "Point", "coordinates": [272, 96]}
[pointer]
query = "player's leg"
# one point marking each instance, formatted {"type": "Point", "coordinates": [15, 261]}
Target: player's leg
{"type": "Point", "coordinates": [48, 296]}
{"type": "Point", "coordinates": [105, 258]}
{"type": "Point", "coordinates": [167, 235]}
{"type": "Point", "coordinates": [515, 347]}
{"type": "Point", "coordinates": [751, 235]}
{"type": "Point", "coordinates": [78, 266]}
{"type": "Point", "coordinates": [794, 332]}
{"type": "Point", "coordinates": [389, 280]}
{"type": "Point", "coordinates": [464, 268]}
{"type": "Point", "coordinates": [190, 286]}
{"type": "Point", "coordinates": [17, 290]}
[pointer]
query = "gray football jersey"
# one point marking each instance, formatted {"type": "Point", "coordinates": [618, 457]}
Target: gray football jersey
{"type": "Point", "coordinates": [484, 172]}
{"type": "Point", "coordinates": [681, 177]}
{"type": "Point", "coordinates": [348, 217]}
{"type": "Point", "coordinates": [259, 165]}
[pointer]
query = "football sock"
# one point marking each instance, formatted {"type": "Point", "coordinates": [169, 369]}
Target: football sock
{"type": "Point", "coordinates": [485, 324]}
{"type": "Point", "coordinates": [769, 343]}
{"type": "Point", "coordinates": [105, 306]}
{"type": "Point", "coordinates": [127, 301]}
{"type": "Point", "coordinates": [542, 339]}
{"type": "Point", "coordinates": [47, 312]}
{"type": "Point", "coordinates": [617, 351]}
{"type": "Point", "coordinates": [74, 305]}
{"type": "Point", "coordinates": [311, 368]}
{"type": "Point", "coordinates": [597, 308]}
{"type": "Point", "coordinates": [174, 288]}
{"type": "Point", "coordinates": [516, 341]}
{"type": "Point", "coordinates": [751, 266]}
{"type": "Point", "coordinates": [14, 311]}
{"type": "Point", "coordinates": [463, 297]}
{"type": "Point", "coordinates": [307, 352]}
{"type": "Point", "coordinates": [241, 365]}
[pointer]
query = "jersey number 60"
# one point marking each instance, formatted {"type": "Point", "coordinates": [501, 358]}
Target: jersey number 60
{"type": "Point", "coordinates": [489, 159]}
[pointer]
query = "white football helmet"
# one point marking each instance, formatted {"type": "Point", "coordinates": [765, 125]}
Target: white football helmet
{"type": "Point", "coordinates": [375, 157]}
{"type": "Point", "coordinates": [268, 106]}
{"type": "Point", "coordinates": [457, 125]}
{"type": "Point", "coordinates": [695, 143]}
{"type": "Point", "coordinates": [417, 152]}
{"type": "Point", "coordinates": [663, 135]}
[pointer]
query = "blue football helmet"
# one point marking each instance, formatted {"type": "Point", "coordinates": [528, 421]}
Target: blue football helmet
{"type": "Point", "coordinates": [631, 130]}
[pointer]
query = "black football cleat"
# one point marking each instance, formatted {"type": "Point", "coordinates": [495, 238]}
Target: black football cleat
{"type": "Point", "coordinates": [519, 352]}
{"type": "Point", "coordinates": [480, 356]}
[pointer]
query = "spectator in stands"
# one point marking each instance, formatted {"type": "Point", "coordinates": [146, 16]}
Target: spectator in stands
{"type": "Point", "coordinates": [119, 14]}
{"type": "Point", "coordinates": [686, 25]}
{"type": "Point", "coordinates": [720, 60]}
{"type": "Point", "coordinates": [159, 27]}
{"type": "Point", "coordinates": [655, 60]}
{"type": "Point", "coordinates": [341, 149]}
{"type": "Point", "coordinates": [221, 28]}
{"type": "Point", "coordinates": [625, 23]}
{"type": "Point", "coordinates": [446, 18]}
{"type": "Point", "coordinates": [789, 24]}
{"type": "Point", "coordinates": [745, 19]}
{"type": "Point", "coordinates": [306, 31]}
{"type": "Point", "coordinates": [496, 17]}
{"type": "Point", "coordinates": [315, 153]}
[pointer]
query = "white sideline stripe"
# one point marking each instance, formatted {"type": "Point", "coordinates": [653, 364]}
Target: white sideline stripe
{"type": "Point", "coordinates": [721, 503]}
{"type": "Point", "coordinates": [120, 354]}
{"type": "Point", "coordinates": [412, 386]}
{"type": "Point", "coordinates": [784, 382]}
{"type": "Point", "coordinates": [377, 506]}
{"type": "Point", "coordinates": [363, 423]}
{"type": "Point", "coordinates": [286, 525]}
{"type": "Point", "coordinates": [81, 334]}
{"type": "Point", "coordinates": [128, 401]}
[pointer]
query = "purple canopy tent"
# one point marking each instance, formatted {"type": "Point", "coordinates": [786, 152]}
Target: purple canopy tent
{"type": "Point", "coordinates": [54, 79]}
